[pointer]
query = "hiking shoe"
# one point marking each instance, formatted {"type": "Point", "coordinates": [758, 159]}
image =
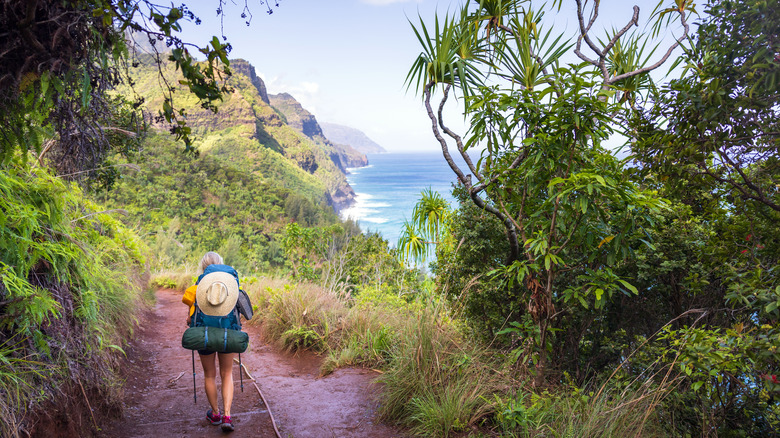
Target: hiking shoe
{"type": "Point", "coordinates": [227, 424]}
{"type": "Point", "coordinates": [213, 419]}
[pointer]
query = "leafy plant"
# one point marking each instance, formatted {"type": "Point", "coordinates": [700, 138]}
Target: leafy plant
{"type": "Point", "coordinates": [67, 293]}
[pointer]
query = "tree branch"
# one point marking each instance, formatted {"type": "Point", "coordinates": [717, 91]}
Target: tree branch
{"type": "Point", "coordinates": [584, 35]}
{"type": "Point", "coordinates": [660, 61]}
{"type": "Point", "coordinates": [444, 147]}
{"type": "Point", "coordinates": [510, 229]}
{"type": "Point", "coordinates": [458, 140]}
{"type": "Point", "coordinates": [760, 198]}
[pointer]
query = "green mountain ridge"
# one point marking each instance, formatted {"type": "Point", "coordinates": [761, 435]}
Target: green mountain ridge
{"type": "Point", "coordinates": [355, 138]}
{"type": "Point", "coordinates": [247, 107]}
{"type": "Point", "coordinates": [255, 171]}
{"type": "Point", "coordinates": [304, 122]}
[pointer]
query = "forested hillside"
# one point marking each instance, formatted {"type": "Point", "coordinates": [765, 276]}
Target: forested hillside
{"type": "Point", "coordinates": [257, 168]}
{"type": "Point", "coordinates": [246, 105]}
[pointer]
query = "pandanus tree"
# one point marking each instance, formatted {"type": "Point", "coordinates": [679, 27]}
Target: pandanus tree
{"type": "Point", "coordinates": [428, 228]}
{"type": "Point", "coordinates": [538, 125]}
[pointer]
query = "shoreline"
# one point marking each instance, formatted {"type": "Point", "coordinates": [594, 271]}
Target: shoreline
{"type": "Point", "coordinates": [339, 207]}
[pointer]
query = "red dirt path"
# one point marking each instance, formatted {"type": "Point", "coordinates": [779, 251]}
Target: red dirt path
{"type": "Point", "coordinates": [304, 405]}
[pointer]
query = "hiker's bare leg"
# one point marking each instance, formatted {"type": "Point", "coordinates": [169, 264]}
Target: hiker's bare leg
{"type": "Point", "coordinates": [210, 378]}
{"type": "Point", "coordinates": [226, 373]}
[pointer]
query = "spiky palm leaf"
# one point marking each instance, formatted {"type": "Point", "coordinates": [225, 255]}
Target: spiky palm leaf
{"type": "Point", "coordinates": [430, 213]}
{"type": "Point", "coordinates": [411, 246]}
{"type": "Point", "coordinates": [626, 57]}
{"type": "Point", "coordinates": [533, 50]}
{"type": "Point", "coordinates": [430, 221]}
{"type": "Point", "coordinates": [449, 55]}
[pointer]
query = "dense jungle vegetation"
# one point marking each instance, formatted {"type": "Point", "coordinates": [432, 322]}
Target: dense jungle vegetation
{"type": "Point", "coordinates": [575, 291]}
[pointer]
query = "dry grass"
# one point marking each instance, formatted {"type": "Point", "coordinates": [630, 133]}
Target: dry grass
{"type": "Point", "coordinates": [176, 280]}
{"type": "Point", "coordinates": [296, 316]}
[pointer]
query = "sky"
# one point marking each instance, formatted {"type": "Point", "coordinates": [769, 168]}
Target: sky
{"type": "Point", "coordinates": [346, 60]}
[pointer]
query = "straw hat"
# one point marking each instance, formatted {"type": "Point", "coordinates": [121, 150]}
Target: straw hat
{"type": "Point", "coordinates": [217, 294]}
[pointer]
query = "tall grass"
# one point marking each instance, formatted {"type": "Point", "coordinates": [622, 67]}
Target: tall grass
{"type": "Point", "coordinates": [433, 382]}
{"type": "Point", "coordinates": [436, 383]}
{"type": "Point", "coordinates": [566, 413]}
{"type": "Point", "coordinates": [302, 316]}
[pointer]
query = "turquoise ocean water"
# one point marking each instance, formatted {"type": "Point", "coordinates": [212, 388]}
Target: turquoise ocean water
{"type": "Point", "coordinates": [390, 186]}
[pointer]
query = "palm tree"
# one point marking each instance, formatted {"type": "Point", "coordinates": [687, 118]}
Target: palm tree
{"type": "Point", "coordinates": [429, 227]}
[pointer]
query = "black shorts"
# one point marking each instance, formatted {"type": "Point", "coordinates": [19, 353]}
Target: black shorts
{"type": "Point", "coordinates": [208, 352]}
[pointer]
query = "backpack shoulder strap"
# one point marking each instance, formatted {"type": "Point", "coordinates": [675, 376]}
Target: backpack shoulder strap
{"type": "Point", "coordinates": [237, 315]}
{"type": "Point", "coordinates": [194, 320]}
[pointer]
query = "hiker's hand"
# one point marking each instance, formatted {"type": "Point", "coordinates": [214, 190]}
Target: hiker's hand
{"type": "Point", "coordinates": [189, 318]}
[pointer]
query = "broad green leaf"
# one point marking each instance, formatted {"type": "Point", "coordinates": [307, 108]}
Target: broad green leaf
{"type": "Point", "coordinates": [629, 286]}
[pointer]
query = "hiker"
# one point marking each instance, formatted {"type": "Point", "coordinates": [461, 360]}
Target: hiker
{"type": "Point", "coordinates": [216, 293]}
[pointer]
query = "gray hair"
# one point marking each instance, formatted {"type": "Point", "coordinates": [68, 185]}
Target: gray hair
{"type": "Point", "coordinates": [211, 258]}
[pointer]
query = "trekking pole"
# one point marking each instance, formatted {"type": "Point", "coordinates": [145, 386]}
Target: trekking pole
{"type": "Point", "coordinates": [240, 374]}
{"type": "Point", "coordinates": [194, 391]}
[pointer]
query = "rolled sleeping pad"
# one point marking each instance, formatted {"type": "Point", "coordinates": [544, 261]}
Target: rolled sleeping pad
{"type": "Point", "coordinates": [221, 340]}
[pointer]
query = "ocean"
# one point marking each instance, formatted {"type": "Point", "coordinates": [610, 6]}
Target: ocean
{"type": "Point", "coordinates": [389, 187]}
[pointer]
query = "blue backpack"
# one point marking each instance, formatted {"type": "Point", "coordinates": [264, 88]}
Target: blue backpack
{"type": "Point", "coordinates": [229, 321]}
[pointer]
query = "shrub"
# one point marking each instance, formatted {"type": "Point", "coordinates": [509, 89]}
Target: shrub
{"type": "Point", "coordinates": [66, 281]}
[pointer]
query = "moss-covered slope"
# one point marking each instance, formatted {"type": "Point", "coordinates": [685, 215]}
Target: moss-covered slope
{"type": "Point", "coordinates": [257, 129]}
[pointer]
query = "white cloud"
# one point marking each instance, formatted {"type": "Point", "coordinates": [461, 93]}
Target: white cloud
{"type": "Point", "coordinates": [309, 87]}
{"type": "Point", "coordinates": [305, 92]}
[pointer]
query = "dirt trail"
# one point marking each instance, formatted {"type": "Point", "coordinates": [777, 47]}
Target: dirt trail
{"type": "Point", "coordinates": [159, 398]}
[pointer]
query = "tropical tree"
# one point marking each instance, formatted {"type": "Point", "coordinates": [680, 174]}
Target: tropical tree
{"type": "Point", "coordinates": [719, 125]}
{"type": "Point", "coordinates": [564, 199]}
{"type": "Point", "coordinates": [58, 61]}
{"type": "Point", "coordinates": [428, 228]}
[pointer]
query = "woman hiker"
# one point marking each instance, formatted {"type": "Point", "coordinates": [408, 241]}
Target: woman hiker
{"type": "Point", "coordinates": [215, 293]}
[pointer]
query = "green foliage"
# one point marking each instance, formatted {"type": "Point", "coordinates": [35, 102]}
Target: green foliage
{"type": "Point", "coordinates": [166, 249]}
{"type": "Point", "coordinates": [197, 203]}
{"type": "Point", "coordinates": [343, 260]}
{"type": "Point", "coordinates": [483, 300]}
{"type": "Point", "coordinates": [717, 126]}
{"type": "Point", "coordinates": [301, 210]}
{"type": "Point", "coordinates": [67, 292]}
{"type": "Point", "coordinates": [707, 142]}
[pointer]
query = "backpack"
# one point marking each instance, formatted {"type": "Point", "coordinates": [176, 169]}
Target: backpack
{"type": "Point", "coordinates": [244, 305]}
{"type": "Point", "coordinates": [216, 333]}
{"type": "Point", "coordinates": [229, 321]}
